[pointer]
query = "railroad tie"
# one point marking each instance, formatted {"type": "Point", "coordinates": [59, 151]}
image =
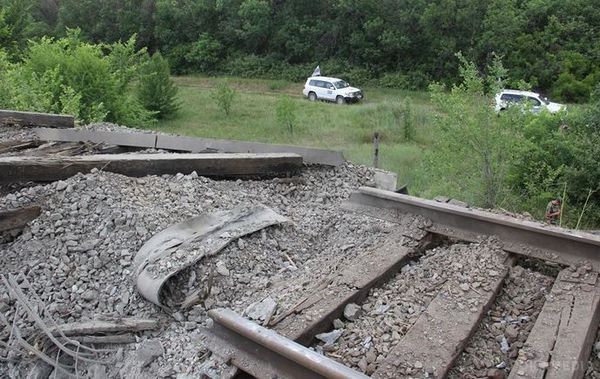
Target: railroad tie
{"type": "Point", "coordinates": [561, 340]}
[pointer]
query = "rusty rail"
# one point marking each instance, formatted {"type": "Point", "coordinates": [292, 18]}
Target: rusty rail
{"type": "Point", "coordinates": [517, 236]}
{"type": "Point", "coordinates": [265, 354]}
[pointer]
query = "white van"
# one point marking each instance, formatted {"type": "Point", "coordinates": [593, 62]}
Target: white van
{"type": "Point", "coordinates": [331, 89]}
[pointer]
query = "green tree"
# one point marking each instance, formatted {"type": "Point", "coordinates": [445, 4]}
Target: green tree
{"type": "Point", "coordinates": [155, 89]}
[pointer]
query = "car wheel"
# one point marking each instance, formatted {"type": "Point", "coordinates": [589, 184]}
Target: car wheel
{"type": "Point", "coordinates": [312, 96]}
{"type": "Point", "coordinates": [340, 100]}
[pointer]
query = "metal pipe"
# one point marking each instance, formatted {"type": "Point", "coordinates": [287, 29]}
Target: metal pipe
{"type": "Point", "coordinates": [282, 346]}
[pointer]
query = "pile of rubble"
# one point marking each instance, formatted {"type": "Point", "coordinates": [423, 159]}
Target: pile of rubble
{"type": "Point", "coordinates": [78, 255]}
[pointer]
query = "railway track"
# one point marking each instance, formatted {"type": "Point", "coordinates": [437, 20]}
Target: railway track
{"type": "Point", "coordinates": [558, 345]}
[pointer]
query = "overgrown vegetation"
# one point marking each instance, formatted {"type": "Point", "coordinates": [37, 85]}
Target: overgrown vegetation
{"type": "Point", "coordinates": [551, 44]}
{"type": "Point", "coordinates": [90, 81]}
{"type": "Point", "coordinates": [515, 160]}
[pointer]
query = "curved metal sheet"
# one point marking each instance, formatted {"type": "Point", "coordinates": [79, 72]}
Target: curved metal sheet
{"type": "Point", "coordinates": [183, 244]}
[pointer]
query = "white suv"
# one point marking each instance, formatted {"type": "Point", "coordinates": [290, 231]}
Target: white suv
{"type": "Point", "coordinates": [331, 89]}
{"type": "Point", "coordinates": [509, 97]}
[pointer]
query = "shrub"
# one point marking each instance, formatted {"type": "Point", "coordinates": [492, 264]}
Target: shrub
{"type": "Point", "coordinates": [155, 88]}
{"type": "Point", "coordinates": [286, 113]}
{"type": "Point", "coordinates": [409, 127]}
{"type": "Point", "coordinates": [89, 81]}
{"type": "Point", "coordinates": [474, 148]}
{"type": "Point", "coordinates": [224, 97]}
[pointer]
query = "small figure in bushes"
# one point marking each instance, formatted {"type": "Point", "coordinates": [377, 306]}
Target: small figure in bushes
{"type": "Point", "coordinates": [553, 211]}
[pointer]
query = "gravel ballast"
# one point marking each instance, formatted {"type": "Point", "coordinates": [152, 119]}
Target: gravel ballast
{"type": "Point", "coordinates": [78, 254]}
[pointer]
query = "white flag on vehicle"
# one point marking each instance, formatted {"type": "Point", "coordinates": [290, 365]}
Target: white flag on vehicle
{"type": "Point", "coordinates": [317, 71]}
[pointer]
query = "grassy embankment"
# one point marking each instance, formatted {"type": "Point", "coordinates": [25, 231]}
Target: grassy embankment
{"type": "Point", "coordinates": [347, 128]}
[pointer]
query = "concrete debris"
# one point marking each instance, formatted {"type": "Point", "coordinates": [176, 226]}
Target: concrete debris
{"type": "Point", "coordinates": [338, 324]}
{"type": "Point", "coordinates": [149, 351]}
{"type": "Point", "coordinates": [88, 233]}
{"type": "Point", "coordinates": [504, 329]}
{"type": "Point", "coordinates": [331, 337]}
{"type": "Point", "coordinates": [262, 310]}
{"type": "Point", "coordinates": [385, 180]}
{"type": "Point", "coordinates": [222, 269]}
{"type": "Point", "coordinates": [352, 312]}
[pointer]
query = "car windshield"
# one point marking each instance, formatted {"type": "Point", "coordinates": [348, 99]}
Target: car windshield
{"type": "Point", "coordinates": [341, 84]}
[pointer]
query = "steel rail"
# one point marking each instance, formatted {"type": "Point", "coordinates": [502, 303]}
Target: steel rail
{"type": "Point", "coordinates": [517, 236]}
{"type": "Point", "coordinates": [265, 354]}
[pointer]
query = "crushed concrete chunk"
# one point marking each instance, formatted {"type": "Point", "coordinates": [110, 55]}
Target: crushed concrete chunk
{"type": "Point", "coordinates": [149, 351]}
{"type": "Point", "coordinates": [352, 312]}
{"type": "Point", "coordinates": [261, 310]}
{"type": "Point", "coordinates": [331, 337]}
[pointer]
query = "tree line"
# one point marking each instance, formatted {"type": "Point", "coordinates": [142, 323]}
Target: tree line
{"type": "Point", "coordinates": [548, 45]}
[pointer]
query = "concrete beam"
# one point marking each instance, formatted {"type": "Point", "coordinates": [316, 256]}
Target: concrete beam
{"type": "Point", "coordinates": [146, 140]}
{"type": "Point", "coordinates": [20, 169]}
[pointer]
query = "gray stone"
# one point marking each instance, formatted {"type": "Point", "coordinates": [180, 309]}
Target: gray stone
{"type": "Point", "coordinates": [61, 185]}
{"type": "Point", "coordinates": [222, 269]}
{"type": "Point", "coordinates": [261, 310]}
{"type": "Point", "coordinates": [149, 351]}
{"type": "Point", "coordinates": [190, 325]}
{"type": "Point", "coordinates": [331, 337]}
{"type": "Point", "coordinates": [458, 203]}
{"type": "Point", "coordinates": [352, 312]}
{"type": "Point", "coordinates": [90, 295]}
{"type": "Point", "coordinates": [338, 324]}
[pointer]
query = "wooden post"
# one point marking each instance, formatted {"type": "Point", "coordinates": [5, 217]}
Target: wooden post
{"type": "Point", "coordinates": [376, 150]}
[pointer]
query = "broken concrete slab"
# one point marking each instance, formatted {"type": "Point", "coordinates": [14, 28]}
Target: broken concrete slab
{"type": "Point", "coordinates": [20, 169]}
{"type": "Point", "coordinates": [194, 145]}
{"type": "Point", "coordinates": [262, 310]}
{"type": "Point", "coordinates": [145, 140]}
{"type": "Point", "coordinates": [385, 180]}
{"type": "Point", "coordinates": [10, 117]}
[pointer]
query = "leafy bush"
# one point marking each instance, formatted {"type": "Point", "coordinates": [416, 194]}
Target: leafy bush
{"type": "Point", "coordinates": [155, 88]}
{"type": "Point", "coordinates": [204, 54]}
{"type": "Point", "coordinates": [224, 96]}
{"type": "Point", "coordinates": [89, 81]}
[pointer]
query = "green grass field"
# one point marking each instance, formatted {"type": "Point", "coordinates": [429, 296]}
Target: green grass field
{"type": "Point", "coordinates": [348, 128]}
